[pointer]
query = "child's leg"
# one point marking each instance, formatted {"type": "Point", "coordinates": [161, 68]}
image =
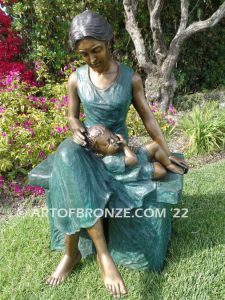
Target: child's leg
{"type": "Point", "coordinates": [71, 258]}
{"type": "Point", "coordinates": [159, 170]}
{"type": "Point", "coordinates": [156, 152]}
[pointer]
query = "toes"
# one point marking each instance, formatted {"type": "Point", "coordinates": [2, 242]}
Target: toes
{"type": "Point", "coordinates": [58, 281]}
{"type": "Point", "coordinates": [123, 289]}
{"type": "Point", "coordinates": [118, 294]}
{"type": "Point", "coordinates": [54, 283]}
{"type": "Point", "coordinates": [109, 288]}
{"type": "Point", "coordinates": [113, 290]}
{"type": "Point", "coordinates": [181, 171]}
{"type": "Point", "coordinates": [49, 280]}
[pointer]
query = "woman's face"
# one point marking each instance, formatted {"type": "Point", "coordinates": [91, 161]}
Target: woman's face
{"type": "Point", "coordinates": [95, 53]}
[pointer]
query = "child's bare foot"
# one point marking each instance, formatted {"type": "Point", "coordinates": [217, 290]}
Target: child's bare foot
{"type": "Point", "coordinates": [64, 269]}
{"type": "Point", "coordinates": [175, 169]}
{"type": "Point", "coordinates": [111, 277]}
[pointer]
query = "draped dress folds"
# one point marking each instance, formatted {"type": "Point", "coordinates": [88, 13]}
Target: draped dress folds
{"type": "Point", "coordinates": [82, 180]}
{"type": "Point", "coordinates": [76, 179]}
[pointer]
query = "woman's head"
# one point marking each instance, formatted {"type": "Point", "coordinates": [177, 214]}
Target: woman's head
{"type": "Point", "coordinates": [102, 140]}
{"type": "Point", "coordinates": [89, 25]}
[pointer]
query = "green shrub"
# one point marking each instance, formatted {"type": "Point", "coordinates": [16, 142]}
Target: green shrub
{"type": "Point", "coordinates": [205, 128]}
{"type": "Point", "coordinates": [31, 126]}
{"type": "Point", "coordinates": [44, 26]}
{"type": "Point", "coordinates": [187, 102]}
{"type": "Point", "coordinates": [33, 122]}
{"type": "Point", "coordinates": [166, 120]}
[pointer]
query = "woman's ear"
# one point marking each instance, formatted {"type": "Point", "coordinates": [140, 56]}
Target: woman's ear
{"type": "Point", "coordinates": [108, 46]}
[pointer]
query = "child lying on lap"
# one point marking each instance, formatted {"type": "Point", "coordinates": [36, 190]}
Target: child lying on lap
{"type": "Point", "coordinates": [102, 141]}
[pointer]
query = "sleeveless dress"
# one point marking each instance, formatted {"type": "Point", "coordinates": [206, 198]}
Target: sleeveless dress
{"type": "Point", "coordinates": [82, 181]}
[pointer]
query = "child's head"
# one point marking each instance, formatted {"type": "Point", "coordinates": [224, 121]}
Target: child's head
{"type": "Point", "coordinates": [102, 140]}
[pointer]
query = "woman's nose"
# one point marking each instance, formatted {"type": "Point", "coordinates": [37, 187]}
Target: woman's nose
{"type": "Point", "coordinates": [92, 58]}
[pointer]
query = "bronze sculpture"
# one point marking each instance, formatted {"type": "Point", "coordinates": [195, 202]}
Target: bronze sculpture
{"type": "Point", "coordinates": [103, 141]}
{"type": "Point", "coordinates": [106, 88]}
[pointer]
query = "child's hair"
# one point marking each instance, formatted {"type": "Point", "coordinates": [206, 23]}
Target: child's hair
{"type": "Point", "coordinates": [92, 133]}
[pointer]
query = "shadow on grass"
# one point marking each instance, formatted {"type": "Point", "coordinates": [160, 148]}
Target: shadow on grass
{"type": "Point", "coordinates": [201, 230]}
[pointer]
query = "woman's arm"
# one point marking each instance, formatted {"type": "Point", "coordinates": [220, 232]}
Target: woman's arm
{"type": "Point", "coordinates": [74, 111]}
{"type": "Point", "coordinates": [143, 109]}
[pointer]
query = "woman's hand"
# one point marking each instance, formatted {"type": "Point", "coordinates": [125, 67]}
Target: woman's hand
{"type": "Point", "coordinates": [78, 136]}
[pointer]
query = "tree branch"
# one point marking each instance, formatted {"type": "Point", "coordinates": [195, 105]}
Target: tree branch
{"type": "Point", "coordinates": [155, 7]}
{"type": "Point", "coordinates": [201, 25]}
{"type": "Point", "coordinates": [183, 33]}
{"type": "Point", "coordinates": [132, 28]}
{"type": "Point", "coordinates": [184, 16]}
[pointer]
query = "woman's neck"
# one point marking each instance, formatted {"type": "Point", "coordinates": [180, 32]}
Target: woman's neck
{"type": "Point", "coordinates": [104, 79]}
{"type": "Point", "coordinates": [110, 68]}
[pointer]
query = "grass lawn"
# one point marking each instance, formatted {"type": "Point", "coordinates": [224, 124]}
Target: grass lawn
{"type": "Point", "coordinates": [194, 268]}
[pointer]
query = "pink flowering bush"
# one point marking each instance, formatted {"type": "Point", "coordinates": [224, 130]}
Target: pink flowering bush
{"type": "Point", "coordinates": [32, 126]}
{"type": "Point", "coordinates": [167, 121]}
{"type": "Point", "coordinates": [10, 44]}
{"type": "Point", "coordinates": [33, 121]}
{"type": "Point", "coordinates": [71, 67]}
{"type": "Point", "coordinates": [18, 189]}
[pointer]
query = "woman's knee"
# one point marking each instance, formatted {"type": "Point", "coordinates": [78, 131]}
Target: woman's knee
{"type": "Point", "coordinates": [159, 171]}
{"type": "Point", "coordinates": [68, 150]}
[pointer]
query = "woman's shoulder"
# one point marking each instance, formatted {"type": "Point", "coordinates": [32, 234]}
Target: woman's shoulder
{"type": "Point", "coordinates": [81, 74]}
{"type": "Point", "coordinates": [81, 70]}
{"type": "Point", "coordinates": [77, 76]}
{"type": "Point", "coordinates": [126, 68]}
{"type": "Point", "coordinates": [127, 74]}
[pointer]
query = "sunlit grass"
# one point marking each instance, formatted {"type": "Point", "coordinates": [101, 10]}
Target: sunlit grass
{"type": "Point", "coordinates": [194, 266]}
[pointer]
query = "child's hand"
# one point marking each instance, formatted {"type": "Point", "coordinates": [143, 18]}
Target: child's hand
{"type": "Point", "coordinates": [180, 163]}
{"type": "Point", "coordinates": [122, 140]}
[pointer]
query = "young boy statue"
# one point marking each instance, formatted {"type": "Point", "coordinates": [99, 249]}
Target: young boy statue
{"type": "Point", "coordinates": [102, 141]}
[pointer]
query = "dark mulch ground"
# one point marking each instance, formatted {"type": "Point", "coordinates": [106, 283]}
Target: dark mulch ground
{"type": "Point", "coordinates": [178, 143]}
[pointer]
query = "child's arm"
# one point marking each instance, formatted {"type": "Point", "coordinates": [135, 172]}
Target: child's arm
{"type": "Point", "coordinates": [130, 158]}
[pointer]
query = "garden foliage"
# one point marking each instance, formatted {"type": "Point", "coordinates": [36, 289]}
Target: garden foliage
{"type": "Point", "coordinates": [31, 125]}
{"type": "Point", "coordinates": [33, 113]}
{"type": "Point", "coordinates": [44, 26]}
{"type": "Point", "coordinates": [166, 121]}
{"type": "Point", "coordinates": [34, 121]}
{"type": "Point", "coordinates": [205, 128]}
{"type": "Point", "coordinates": [10, 48]}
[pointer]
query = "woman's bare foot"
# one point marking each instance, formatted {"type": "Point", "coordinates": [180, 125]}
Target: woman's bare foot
{"type": "Point", "coordinates": [111, 277]}
{"type": "Point", "coordinates": [175, 169]}
{"type": "Point", "coordinates": [64, 269]}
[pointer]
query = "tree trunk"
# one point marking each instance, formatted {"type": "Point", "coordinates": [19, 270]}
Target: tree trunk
{"type": "Point", "coordinates": [156, 89]}
{"type": "Point", "coordinates": [167, 92]}
{"type": "Point", "coordinates": [153, 86]}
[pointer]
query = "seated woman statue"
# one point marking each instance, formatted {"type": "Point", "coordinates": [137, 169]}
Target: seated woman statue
{"type": "Point", "coordinates": [102, 141]}
{"type": "Point", "coordinates": [79, 179]}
